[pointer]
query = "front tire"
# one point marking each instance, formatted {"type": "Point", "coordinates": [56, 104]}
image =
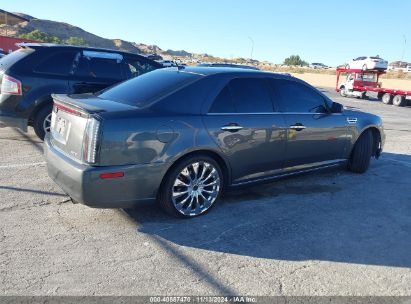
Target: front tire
{"type": "Point", "coordinates": [191, 187]}
{"type": "Point", "coordinates": [343, 92]}
{"type": "Point", "coordinates": [361, 154]}
{"type": "Point", "coordinates": [41, 122]}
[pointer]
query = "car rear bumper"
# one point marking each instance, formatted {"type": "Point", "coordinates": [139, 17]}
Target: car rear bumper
{"type": "Point", "coordinates": [83, 183]}
{"type": "Point", "coordinates": [10, 120]}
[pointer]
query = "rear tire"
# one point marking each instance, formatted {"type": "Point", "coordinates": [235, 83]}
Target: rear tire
{"type": "Point", "coordinates": [361, 154]}
{"type": "Point", "coordinates": [186, 193]}
{"type": "Point", "coordinates": [386, 98]}
{"type": "Point", "coordinates": [41, 122]}
{"type": "Point", "coordinates": [398, 101]}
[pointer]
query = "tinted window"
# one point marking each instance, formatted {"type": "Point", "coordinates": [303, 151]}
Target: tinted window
{"type": "Point", "coordinates": [60, 63]}
{"type": "Point", "coordinates": [143, 90]}
{"type": "Point", "coordinates": [291, 96]}
{"type": "Point", "coordinates": [223, 103]}
{"type": "Point", "coordinates": [250, 95]}
{"type": "Point", "coordinates": [12, 58]}
{"type": "Point", "coordinates": [138, 67]}
{"type": "Point", "coordinates": [96, 67]}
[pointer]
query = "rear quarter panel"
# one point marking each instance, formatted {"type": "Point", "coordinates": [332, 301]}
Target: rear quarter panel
{"type": "Point", "coordinates": [152, 139]}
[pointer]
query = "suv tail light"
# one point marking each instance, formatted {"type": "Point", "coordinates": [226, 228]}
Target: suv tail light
{"type": "Point", "coordinates": [10, 85]}
{"type": "Point", "coordinates": [90, 143]}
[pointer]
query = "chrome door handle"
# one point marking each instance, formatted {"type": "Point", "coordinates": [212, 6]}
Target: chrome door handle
{"type": "Point", "coordinates": [232, 128]}
{"type": "Point", "coordinates": [298, 127]}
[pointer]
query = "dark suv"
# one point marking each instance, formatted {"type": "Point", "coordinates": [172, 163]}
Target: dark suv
{"type": "Point", "coordinates": [31, 74]}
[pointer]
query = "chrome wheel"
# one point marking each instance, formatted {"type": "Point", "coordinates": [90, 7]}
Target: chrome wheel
{"type": "Point", "coordinates": [196, 188]}
{"type": "Point", "coordinates": [47, 123]}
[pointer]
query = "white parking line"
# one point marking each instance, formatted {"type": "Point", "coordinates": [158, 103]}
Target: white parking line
{"type": "Point", "coordinates": [22, 165]}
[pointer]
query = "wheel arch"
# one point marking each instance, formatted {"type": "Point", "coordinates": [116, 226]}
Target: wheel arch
{"type": "Point", "coordinates": [39, 104]}
{"type": "Point", "coordinates": [221, 161]}
{"type": "Point", "coordinates": [376, 138]}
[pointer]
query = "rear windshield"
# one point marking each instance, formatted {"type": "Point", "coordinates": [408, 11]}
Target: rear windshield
{"type": "Point", "coordinates": [10, 59]}
{"type": "Point", "coordinates": [145, 89]}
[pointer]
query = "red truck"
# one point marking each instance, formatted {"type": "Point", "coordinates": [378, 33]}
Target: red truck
{"type": "Point", "coordinates": [9, 44]}
{"type": "Point", "coordinates": [359, 82]}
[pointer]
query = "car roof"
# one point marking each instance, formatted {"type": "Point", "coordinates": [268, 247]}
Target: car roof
{"type": "Point", "coordinates": [206, 71]}
{"type": "Point", "coordinates": [68, 46]}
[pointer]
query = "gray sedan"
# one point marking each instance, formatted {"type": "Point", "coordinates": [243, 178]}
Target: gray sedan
{"type": "Point", "coordinates": [180, 136]}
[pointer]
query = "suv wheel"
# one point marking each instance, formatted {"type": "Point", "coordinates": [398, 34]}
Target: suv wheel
{"type": "Point", "coordinates": [192, 187]}
{"type": "Point", "coordinates": [41, 122]}
{"type": "Point", "coordinates": [361, 154]}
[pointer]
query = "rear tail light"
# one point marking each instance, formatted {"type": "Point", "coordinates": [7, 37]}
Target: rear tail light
{"type": "Point", "coordinates": [10, 85]}
{"type": "Point", "coordinates": [90, 144]}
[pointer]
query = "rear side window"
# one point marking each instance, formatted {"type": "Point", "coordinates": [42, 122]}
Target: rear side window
{"type": "Point", "coordinates": [12, 58]}
{"type": "Point", "coordinates": [294, 97]}
{"type": "Point", "coordinates": [60, 63]}
{"type": "Point", "coordinates": [143, 90]}
{"type": "Point", "coordinates": [98, 67]}
{"type": "Point", "coordinates": [250, 96]}
{"type": "Point", "coordinates": [243, 95]}
{"type": "Point", "coordinates": [223, 103]}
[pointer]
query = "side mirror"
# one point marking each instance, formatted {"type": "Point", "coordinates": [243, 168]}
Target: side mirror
{"type": "Point", "coordinates": [337, 108]}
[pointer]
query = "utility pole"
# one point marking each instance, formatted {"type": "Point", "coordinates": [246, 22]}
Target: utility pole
{"type": "Point", "coordinates": [403, 50]}
{"type": "Point", "coordinates": [5, 17]}
{"type": "Point", "coordinates": [252, 46]}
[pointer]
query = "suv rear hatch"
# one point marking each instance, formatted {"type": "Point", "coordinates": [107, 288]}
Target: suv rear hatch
{"type": "Point", "coordinates": [76, 124]}
{"type": "Point", "coordinates": [9, 60]}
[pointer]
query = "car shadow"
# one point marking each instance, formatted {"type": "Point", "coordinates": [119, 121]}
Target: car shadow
{"type": "Point", "coordinates": [331, 216]}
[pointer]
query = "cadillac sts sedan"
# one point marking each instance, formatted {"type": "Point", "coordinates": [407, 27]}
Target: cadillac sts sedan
{"type": "Point", "coordinates": [180, 136]}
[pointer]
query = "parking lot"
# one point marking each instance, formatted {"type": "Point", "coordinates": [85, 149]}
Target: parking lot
{"type": "Point", "coordinates": [328, 233]}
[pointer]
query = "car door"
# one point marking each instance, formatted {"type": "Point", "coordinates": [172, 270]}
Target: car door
{"type": "Point", "coordinates": [314, 135]}
{"type": "Point", "coordinates": [95, 70]}
{"type": "Point", "coordinates": [243, 124]}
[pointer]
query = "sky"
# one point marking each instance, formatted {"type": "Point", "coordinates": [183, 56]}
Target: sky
{"type": "Point", "coordinates": [327, 31]}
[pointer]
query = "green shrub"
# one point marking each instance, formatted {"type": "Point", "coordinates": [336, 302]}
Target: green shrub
{"type": "Point", "coordinates": [40, 36]}
{"type": "Point", "coordinates": [75, 41]}
{"type": "Point", "coordinates": [295, 60]}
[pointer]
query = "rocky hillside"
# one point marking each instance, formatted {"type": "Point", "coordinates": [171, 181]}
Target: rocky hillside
{"type": "Point", "coordinates": [64, 31]}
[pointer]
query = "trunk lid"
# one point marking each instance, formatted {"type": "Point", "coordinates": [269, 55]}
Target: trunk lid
{"type": "Point", "coordinates": [74, 117]}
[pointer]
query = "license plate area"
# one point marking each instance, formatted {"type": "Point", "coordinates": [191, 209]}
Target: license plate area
{"type": "Point", "coordinates": [60, 128]}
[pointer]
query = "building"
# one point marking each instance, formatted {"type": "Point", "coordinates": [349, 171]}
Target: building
{"type": "Point", "coordinates": [8, 44]}
{"type": "Point", "coordinates": [10, 18]}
